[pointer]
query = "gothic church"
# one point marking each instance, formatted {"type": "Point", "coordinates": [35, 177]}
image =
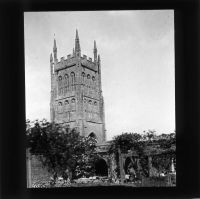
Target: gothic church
{"type": "Point", "coordinates": [76, 92]}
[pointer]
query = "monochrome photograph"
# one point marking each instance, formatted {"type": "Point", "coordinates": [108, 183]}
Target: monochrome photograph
{"type": "Point", "coordinates": [100, 98]}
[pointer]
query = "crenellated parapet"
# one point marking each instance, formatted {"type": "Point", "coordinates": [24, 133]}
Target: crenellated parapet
{"type": "Point", "coordinates": [88, 63]}
{"type": "Point", "coordinates": [71, 61]}
{"type": "Point", "coordinates": [65, 63]}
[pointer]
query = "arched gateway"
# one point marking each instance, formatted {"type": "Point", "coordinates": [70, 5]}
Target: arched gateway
{"type": "Point", "coordinates": [101, 167]}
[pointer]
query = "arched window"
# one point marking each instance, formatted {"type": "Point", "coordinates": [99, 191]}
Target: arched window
{"type": "Point", "coordinates": [89, 107]}
{"type": "Point", "coordinates": [59, 107]}
{"type": "Point", "coordinates": [73, 104]}
{"type": "Point", "coordinates": [59, 84]}
{"type": "Point", "coordinates": [95, 103]}
{"type": "Point", "coordinates": [66, 78]}
{"type": "Point", "coordinates": [66, 82]}
{"type": "Point", "coordinates": [73, 100]}
{"type": "Point", "coordinates": [93, 82]}
{"type": "Point", "coordinates": [73, 80]}
{"type": "Point", "coordinates": [88, 76]}
{"type": "Point", "coordinates": [83, 78]}
{"type": "Point", "coordinates": [66, 106]}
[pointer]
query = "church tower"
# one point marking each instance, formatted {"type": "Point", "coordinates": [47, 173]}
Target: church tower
{"type": "Point", "coordinates": [76, 92]}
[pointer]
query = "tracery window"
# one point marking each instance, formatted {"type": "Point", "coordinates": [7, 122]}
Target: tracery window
{"type": "Point", "coordinates": [73, 80]}
{"type": "Point", "coordinates": [83, 77]}
{"type": "Point", "coordinates": [59, 85]}
{"type": "Point", "coordinates": [66, 82]}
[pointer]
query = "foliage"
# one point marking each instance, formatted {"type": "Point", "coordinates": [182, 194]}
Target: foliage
{"type": "Point", "coordinates": [125, 142]}
{"type": "Point", "coordinates": [149, 135]}
{"type": "Point", "coordinates": [64, 152]}
{"type": "Point", "coordinates": [148, 143]}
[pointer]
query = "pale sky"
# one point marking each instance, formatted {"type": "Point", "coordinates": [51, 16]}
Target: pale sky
{"type": "Point", "coordinates": [137, 63]}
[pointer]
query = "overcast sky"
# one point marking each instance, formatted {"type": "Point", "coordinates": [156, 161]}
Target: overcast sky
{"type": "Point", "coordinates": [137, 56]}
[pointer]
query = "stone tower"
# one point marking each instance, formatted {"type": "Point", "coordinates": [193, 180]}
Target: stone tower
{"type": "Point", "coordinates": [76, 92]}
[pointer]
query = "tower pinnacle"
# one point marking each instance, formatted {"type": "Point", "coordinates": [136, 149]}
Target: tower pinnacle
{"type": "Point", "coordinates": [99, 64]}
{"type": "Point", "coordinates": [77, 45]}
{"type": "Point", "coordinates": [54, 44]}
{"type": "Point", "coordinates": [54, 49]}
{"type": "Point", "coordinates": [95, 51]}
{"type": "Point", "coordinates": [51, 57]}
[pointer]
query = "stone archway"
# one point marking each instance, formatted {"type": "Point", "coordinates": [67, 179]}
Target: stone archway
{"type": "Point", "coordinates": [126, 164]}
{"type": "Point", "coordinates": [101, 167]}
{"type": "Point", "coordinates": [131, 168]}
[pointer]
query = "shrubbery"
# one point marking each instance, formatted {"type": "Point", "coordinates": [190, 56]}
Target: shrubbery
{"type": "Point", "coordinates": [62, 150]}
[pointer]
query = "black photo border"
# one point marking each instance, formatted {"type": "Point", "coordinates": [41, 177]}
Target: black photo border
{"type": "Point", "coordinates": [12, 121]}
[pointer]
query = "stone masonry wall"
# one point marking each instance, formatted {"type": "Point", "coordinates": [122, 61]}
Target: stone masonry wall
{"type": "Point", "coordinates": [39, 174]}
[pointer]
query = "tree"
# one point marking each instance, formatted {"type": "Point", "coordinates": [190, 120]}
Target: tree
{"type": "Point", "coordinates": [62, 150]}
{"type": "Point", "coordinates": [125, 142]}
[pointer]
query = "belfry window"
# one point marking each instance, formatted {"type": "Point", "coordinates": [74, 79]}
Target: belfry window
{"type": "Point", "coordinates": [83, 77]}
{"type": "Point", "coordinates": [59, 84]}
{"type": "Point", "coordinates": [88, 76]}
{"type": "Point", "coordinates": [72, 79]}
{"type": "Point", "coordinates": [73, 100]}
{"type": "Point", "coordinates": [66, 102]}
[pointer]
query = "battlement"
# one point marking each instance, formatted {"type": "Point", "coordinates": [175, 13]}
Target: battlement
{"type": "Point", "coordinates": [69, 56]}
{"type": "Point", "coordinates": [89, 64]}
{"type": "Point", "coordinates": [62, 59]}
{"type": "Point", "coordinates": [64, 63]}
{"type": "Point", "coordinates": [84, 56]}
